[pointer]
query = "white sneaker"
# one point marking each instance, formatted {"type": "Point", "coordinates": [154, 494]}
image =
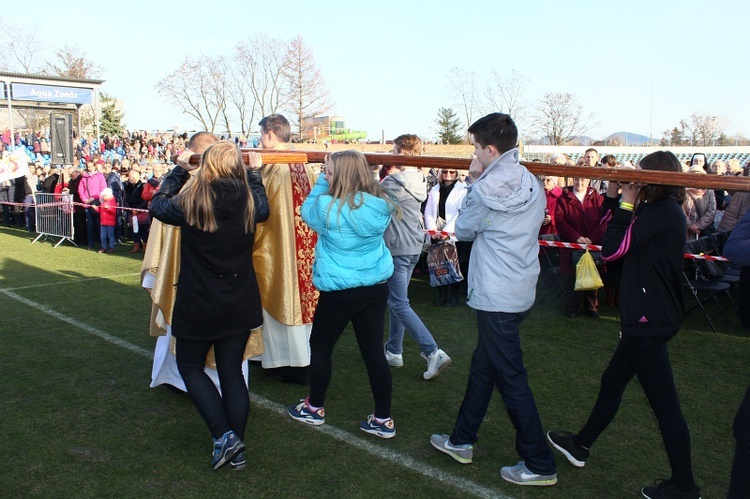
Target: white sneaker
{"type": "Point", "coordinates": [436, 362]}
{"type": "Point", "coordinates": [394, 359]}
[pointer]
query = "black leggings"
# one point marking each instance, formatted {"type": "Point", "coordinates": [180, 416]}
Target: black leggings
{"type": "Point", "coordinates": [739, 484]}
{"type": "Point", "coordinates": [647, 358]}
{"type": "Point", "coordinates": [225, 411]}
{"type": "Point", "coordinates": [365, 308]}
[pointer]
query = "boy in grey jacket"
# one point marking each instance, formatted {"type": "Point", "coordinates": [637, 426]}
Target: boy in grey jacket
{"type": "Point", "coordinates": [502, 213]}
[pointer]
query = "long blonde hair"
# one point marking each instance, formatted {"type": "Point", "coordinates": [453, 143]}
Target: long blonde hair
{"type": "Point", "coordinates": [221, 161]}
{"type": "Point", "coordinates": [352, 175]}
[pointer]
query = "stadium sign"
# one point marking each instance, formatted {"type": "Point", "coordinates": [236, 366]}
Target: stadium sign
{"type": "Point", "coordinates": [49, 93]}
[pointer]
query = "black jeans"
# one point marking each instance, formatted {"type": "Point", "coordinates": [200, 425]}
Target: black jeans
{"type": "Point", "coordinates": [739, 484]}
{"type": "Point", "coordinates": [225, 411]}
{"type": "Point", "coordinates": [647, 358]}
{"type": "Point", "coordinates": [365, 308]}
{"type": "Point", "coordinates": [92, 226]}
{"type": "Point", "coordinates": [743, 310]}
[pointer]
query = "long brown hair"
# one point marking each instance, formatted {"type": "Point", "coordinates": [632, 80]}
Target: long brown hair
{"type": "Point", "coordinates": [222, 160]}
{"type": "Point", "coordinates": [667, 162]}
{"type": "Point", "coordinates": [352, 175]}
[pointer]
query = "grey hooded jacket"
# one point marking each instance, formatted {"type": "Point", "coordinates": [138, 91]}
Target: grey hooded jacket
{"type": "Point", "coordinates": [502, 213]}
{"type": "Point", "coordinates": [405, 235]}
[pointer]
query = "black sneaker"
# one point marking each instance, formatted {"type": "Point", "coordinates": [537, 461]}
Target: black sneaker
{"type": "Point", "coordinates": [563, 442]}
{"type": "Point", "coordinates": [666, 489]}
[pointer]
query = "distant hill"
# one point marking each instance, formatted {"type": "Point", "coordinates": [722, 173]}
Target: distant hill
{"type": "Point", "coordinates": [615, 139]}
{"type": "Point", "coordinates": [630, 139]}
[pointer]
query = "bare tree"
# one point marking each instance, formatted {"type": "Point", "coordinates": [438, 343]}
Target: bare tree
{"type": "Point", "coordinates": [308, 93]}
{"type": "Point", "coordinates": [237, 97]}
{"type": "Point", "coordinates": [560, 117]}
{"type": "Point", "coordinates": [72, 63]}
{"type": "Point", "coordinates": [197, 88]}
{"type": "Point", "coordinates": [19, 47]}
{"type": "Point", "coordinates": [463, 87]}
{"type": "Point", "coordinates": [703, 129]}
{"type": "Point", "coordinates": [218, 71]}
{"type": "Point", "coordinates": [261, 62]}
{"type": "Point", "coordinates": [506, 94]}
{"type": "Point", "coordinates": [20, 50]}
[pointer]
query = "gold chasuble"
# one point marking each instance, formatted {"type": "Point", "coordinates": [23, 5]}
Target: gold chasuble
{"type": "Point", "coordinates": [285, 246]}
{"type": "Point", "coordinates": [162, 259]}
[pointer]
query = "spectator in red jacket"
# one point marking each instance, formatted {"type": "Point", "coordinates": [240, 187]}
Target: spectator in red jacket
{"type": "Point", "coordinates": [577, 216]}
{"type": "Point", "coordinates": [553, 193]}
{"type": "Point", "coordinates": [108, 218]}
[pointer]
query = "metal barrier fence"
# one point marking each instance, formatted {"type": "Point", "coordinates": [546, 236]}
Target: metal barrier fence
{"type": "Point", "coordinates": [54, 217]}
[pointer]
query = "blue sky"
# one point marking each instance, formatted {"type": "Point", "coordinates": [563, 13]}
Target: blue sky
{"type": "Point", "coordinates": [387, 62]}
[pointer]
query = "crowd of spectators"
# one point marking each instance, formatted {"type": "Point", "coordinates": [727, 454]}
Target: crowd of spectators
{"type": "Point", "coordinates": [577, 212]}
{"type": "Point", "coordinates": [132, 146]}
{"type": "Point", "coordinates": [132, 166]}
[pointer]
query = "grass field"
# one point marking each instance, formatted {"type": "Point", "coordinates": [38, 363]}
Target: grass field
{"type": "Point", "coordinates": [79, 420]}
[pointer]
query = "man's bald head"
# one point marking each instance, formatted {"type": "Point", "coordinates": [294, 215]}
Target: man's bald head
{"type": "Point", "coordinates": [200, 141]}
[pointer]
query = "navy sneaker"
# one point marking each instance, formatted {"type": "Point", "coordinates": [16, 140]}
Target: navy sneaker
{"type": "Point", "coordinates": [238, 462]}
{"type": "Point", "coordinates": [386, 429]}
{"type": "Point", "coordinates": [302, 412]}
{"type": "Point", "coordinates": [226, 448]}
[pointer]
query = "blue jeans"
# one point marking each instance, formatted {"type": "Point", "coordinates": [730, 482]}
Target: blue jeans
{"type": "Point", "coordinates": [107, 236]}
{"type": "Point", "coordinates": [498, 361]}
{"type": "Point", "coordinates": [402, 315]}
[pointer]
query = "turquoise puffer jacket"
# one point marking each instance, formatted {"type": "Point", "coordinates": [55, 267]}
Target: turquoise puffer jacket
{"type": "Point", "coordinates": [351, 251]}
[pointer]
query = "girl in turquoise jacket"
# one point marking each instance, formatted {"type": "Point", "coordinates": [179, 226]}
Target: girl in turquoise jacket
{"type": "Point", "coordinates": [350, 211]}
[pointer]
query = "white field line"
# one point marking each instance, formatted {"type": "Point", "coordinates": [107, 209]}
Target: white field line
{"type": "Point", "coordinates": [466, 486]}
{"type": "Point", "coordinates": [69, 281]}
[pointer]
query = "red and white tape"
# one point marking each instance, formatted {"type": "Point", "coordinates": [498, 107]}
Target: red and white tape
{"type": "Point", "coordinates": [67, 203]}
{"type": "Point", "coordinates": [592, 247]}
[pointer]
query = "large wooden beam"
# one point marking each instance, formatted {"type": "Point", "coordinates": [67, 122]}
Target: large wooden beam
{"type": "Point", "coordinates": [723, 182]}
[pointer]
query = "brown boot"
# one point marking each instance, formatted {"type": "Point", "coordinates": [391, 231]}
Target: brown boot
{"type": "Point", "coordinates": [136, 248]}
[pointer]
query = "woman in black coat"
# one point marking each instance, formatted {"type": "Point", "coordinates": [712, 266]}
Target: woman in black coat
{"type": "Point", "coordinates": [218, 301]}
{"type": "Point", "coordinates": [646, 233]}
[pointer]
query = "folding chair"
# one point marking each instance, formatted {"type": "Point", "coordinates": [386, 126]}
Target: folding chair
{"type": "Point", "coordinates": [704, 285]}
{"type": "Point", "coordinates": [552, 273]}
{"type": "Point", "coordinates": [707, 245]}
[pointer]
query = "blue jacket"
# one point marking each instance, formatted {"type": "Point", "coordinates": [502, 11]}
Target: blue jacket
{"type": "Point", "coordinates": [351, 251]}
{"type": "Point", "coordinates": [737, 247]}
